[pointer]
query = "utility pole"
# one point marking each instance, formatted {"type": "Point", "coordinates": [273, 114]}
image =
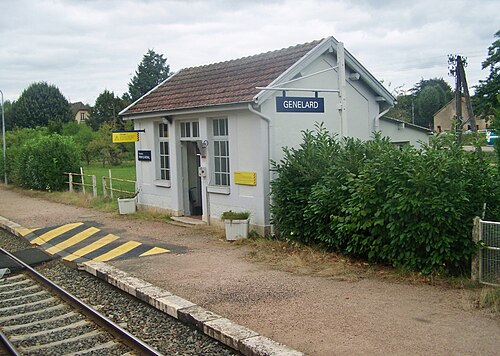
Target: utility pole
{"type": "Point", "coordinates": [456, 65]}
{"type": "Point", "coordinates": [470, 113]}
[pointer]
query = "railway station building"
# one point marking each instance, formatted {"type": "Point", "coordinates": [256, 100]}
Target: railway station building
{"type": "Point", "coordinates": [211, 131]}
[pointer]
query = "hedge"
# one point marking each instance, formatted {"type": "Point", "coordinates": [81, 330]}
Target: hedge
{"type": "Point", "coordinates": [40, 163]}
{"type": "Point", "coordinates": [411, 208]}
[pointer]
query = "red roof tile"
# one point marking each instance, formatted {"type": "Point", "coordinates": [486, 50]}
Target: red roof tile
{"type": "Point", "coordinates": [220, 83]}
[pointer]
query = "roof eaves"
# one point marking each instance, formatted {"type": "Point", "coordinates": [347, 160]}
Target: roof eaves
{"type": "Point", "coordinates": [305, 60]}
{"type": "Point", "coordinates": [315, 52]}
{"type": "Point", "coordinates": [124, 111]}
{"type": "Point", "coordinates": [418, 127]}
{"type": "Point", "coordinates": [187, 110]}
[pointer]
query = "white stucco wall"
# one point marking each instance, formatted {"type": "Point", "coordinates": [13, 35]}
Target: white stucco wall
{"type": "Point", "coordinates": [248, 149]}
{"type": "Point", "coordinates": [403, 133]}
{"type": "Point", "coordinates": [362, 107]}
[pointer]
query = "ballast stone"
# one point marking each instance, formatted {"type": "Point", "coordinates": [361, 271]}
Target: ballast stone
{"type": "Point", "coordinates": [238, 337]}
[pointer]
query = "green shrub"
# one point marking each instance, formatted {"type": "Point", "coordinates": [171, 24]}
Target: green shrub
{"type": "Point", "coordinates": [299, 171]}
{"type": "Point", "coordinates": [42, 162]}
{"type": "Point", "coordinates": [411, 208]}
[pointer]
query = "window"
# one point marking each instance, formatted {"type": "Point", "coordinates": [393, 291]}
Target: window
{"type": "Point", "coordinates": [82, 116]}
{"type": "Point", "coordinates": [164, 152]}
{"type": "Point", "coordinates": [190, 129]}
{"type": "Point", "coordinates": [221, 151]}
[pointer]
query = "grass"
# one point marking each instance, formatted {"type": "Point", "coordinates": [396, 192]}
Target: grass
{"type": "Point", "coordinates": [124, 171]}
{"type": "Point", "coordinates": [490, 298]}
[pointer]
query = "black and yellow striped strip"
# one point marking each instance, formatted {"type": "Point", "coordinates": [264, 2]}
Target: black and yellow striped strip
{"type": "Point", "coordinates": [80, 242]}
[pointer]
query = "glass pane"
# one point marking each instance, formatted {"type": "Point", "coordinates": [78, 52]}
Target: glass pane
{"type": "Point", "coordinates": [183, 129]}
{"type": "Point", "coordinates": [166, 148]}
{"type": "Point", "coordinates": [226, 129]}
{"type": "Point", "coordinates": [162, 174]}
{"type": "Point", "coordinates": [217, 179]}
{"type": "Point", "coordinates": [217, 164]}
{"type": "Point", "coordinates": [196, 129]}
{"type": "Point", "coordinates": [216, 127]}
{"type": "Point", "coordinates": [161, 148]}
{"type": "Point", "coordinates": [224, 150]}
{"type": "Point", "coordinates": [225, 165]}
{"type": "Point", "coordinates": [224, 179]}
{"type": "Point", "coordinates": [216, 148]}
{"type": "Point", "coordinates": [167, 174]}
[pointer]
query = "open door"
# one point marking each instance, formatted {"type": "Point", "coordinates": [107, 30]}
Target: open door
{"type": "Point", "coordinates": [191, 160]}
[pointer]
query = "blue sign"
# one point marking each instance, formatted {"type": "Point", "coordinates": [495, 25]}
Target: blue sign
{"type": "Point", "coordinates": [143, 155]}
{"type": "Point", "coordinates": [491, 137]}
{"type": "Point", "coordinates": [299, 104]}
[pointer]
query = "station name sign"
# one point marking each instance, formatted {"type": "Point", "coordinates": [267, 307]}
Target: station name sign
{"type": "Point", "coordinates": [299, 104]}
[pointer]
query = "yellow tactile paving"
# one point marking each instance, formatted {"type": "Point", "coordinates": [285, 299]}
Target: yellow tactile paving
{"type": "Point", "coordinates": [46, 237]}
{"type": "Point", "coordinates": [73, 240]}
{"type": "Point", "coordinates": [154, 251]}
{"type": "Point", "coordinates": [91, 247]}
{"type": "Point", "coordinates": [116, 252]}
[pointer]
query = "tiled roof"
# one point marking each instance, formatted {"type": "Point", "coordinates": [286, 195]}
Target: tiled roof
{"type": "Point", "coordinates": [228, 82]}
{"type": "Point", "coordinates": [79, 106]}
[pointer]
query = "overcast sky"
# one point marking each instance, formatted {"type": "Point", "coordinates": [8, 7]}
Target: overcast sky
{"type": "Point", "coordinates": [84, 47]}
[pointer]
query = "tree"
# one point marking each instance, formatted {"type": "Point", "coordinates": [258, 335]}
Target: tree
{"type": "Point", "coordinates": [403, 109]}
{"type": "Point", "coordinates": [103, 148]}
{"type": "Point", "coordinates": [40, 104]}
{"type": "Point", "coordinates": [428, 101]}
{"type": "Point", "coordinates": [151, 71]}
{"type": "Point", "coordinates": [83, 136]}
{"type": "Point", "coordinates": [485, 99]}
{"type": "Point", "coordinates": [7, 107]}
{"type": "Point", "coordinates": [425, 98]}
{"type": "Point", "coordinates": [106, 109]}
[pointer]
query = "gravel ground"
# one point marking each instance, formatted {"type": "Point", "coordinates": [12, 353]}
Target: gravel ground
{"type": "Point", "coordinates": [312, 313]}
{"type": "Point", "coordinates": [159, 330]}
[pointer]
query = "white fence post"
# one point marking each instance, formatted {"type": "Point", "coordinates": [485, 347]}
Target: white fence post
{"type": "Point", "coordinates": [83, 181]}
{"type": "Point", "coordinates": [70, 182]}
{"type": "Point", "coordinates": [104, 191]}
{"type": "Point", "coordinates": [94, 185]}
{"type": "Point", "coordinates": [110, 184]}
{"type": "Point", "coordinates": [476, 236]}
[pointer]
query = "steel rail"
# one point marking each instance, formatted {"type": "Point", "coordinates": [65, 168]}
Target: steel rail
{"type": "Point", "coordinates": [10, 348]}
{"type": "Point", "coordinates": [113, 328]}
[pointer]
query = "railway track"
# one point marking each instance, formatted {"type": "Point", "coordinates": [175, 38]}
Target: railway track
{"type": "Point", "coordinates": [37, 317]}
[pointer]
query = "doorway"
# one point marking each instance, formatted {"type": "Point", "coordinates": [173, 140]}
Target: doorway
{"type": "Point", "coordinates": [191, 160]}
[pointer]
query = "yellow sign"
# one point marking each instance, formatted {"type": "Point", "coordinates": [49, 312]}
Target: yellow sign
{"type": "Point", "coordinates": [245, 178]}
{"type": "Point", "coordinates": [120, 137]}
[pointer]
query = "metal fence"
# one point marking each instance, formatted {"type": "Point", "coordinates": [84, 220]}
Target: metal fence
{"type": "Point", "coordinates": [488, 259]}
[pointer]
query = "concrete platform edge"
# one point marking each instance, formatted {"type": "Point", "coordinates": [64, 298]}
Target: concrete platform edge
{"type": "Point", "coordinates": [238, 337]}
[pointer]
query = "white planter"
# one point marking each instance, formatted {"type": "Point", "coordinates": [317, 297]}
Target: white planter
{"type": "Point", "coordinates": [126, 205]}
{"type": "Point", "coordinates": [236, 229]}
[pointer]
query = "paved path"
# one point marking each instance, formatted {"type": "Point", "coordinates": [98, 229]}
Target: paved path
{"type": "Point", "coordinates": [316, 315]}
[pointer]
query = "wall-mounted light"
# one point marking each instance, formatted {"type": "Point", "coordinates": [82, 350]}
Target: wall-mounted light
{"type": "Point", "coordinates": [354, 76]}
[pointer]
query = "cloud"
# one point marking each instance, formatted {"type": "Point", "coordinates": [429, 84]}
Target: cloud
{"type": "Point", "coordinates": [84, 47]}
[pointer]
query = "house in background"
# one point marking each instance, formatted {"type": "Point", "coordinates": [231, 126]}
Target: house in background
{"type": "Point", "coordinates": [81, 112]}
{"type": "Point", "coordinates": [443, 119]}
{"type": "Point", "coordinates": [210, 132]}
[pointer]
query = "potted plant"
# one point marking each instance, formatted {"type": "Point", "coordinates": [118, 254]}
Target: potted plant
{"type": "Point", "coordinates": [127, 204]}
{"type": "Point", "coordinates": [236, 224]}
